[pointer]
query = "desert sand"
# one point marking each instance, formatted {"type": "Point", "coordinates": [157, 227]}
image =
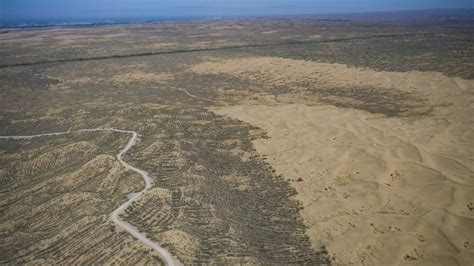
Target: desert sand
{"type": "Point", "coordinates": [376, 189]}
{"type": "Point", "coordinates": [261, 149]}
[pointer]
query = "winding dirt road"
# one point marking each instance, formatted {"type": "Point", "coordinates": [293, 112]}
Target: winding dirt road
{"type": "Point", "coordinates": [114, 216]}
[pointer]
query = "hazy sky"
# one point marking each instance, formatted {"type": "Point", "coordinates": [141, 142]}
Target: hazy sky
{"type": "Point", "coordinates": [28, 9]}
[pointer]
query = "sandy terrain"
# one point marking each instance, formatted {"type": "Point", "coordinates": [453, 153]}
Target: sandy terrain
{"type": "Point", "coordinates": [129, 77]}
{"type": "Point", "coordinates": [328, 162]}
{"type": "Point", "coordinates": [115, 215]}
{"type": "Point", "coordinates": [378, 189]}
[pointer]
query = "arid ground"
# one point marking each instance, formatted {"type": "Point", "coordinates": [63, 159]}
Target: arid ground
{"type": "Point", "coordinates": [270, 141]}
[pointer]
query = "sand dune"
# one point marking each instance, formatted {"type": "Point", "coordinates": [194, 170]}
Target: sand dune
{"type": "Point", "coordinates": [379, 190]}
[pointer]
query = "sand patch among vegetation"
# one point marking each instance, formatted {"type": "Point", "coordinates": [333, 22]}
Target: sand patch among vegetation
{"type": "Point", "coordinates": [389, 93]}
{"type": "Point", "coordinates": [141, 76]}
{"type": "Point", "coordinates": [117, 80]}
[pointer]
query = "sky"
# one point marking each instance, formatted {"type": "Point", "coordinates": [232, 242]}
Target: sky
{"type": "Point", "coordinates": [76, 9]}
